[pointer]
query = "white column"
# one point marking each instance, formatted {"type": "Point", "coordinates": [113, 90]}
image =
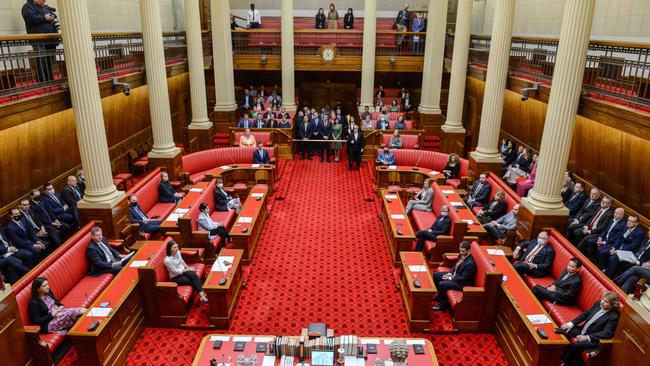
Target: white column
{"type": "Point", "coordinates": [288, 77]}
{"type": "Point", "coordinates": [562, 105]}
{"type": "Point", "coordinates": [368, 54]}
{"type": "Point", "coordinates": [224, 78]}
{"type": "Point", "coordinates": [434, 52]}
{"type": "Point", "coordinates": [154, 58]}
{"type": "Point", "coordinates": [87, 106]}
{"type": "Point", "coordinates": [495, 83]}
{"type": "Point", "coordinates": [456, 100]}
{"type": "Point", "coordinates": [200, 118]}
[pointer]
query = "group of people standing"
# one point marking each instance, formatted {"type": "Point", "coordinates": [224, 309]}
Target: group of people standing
{"type": "Point", "coordinates": [331, 20]}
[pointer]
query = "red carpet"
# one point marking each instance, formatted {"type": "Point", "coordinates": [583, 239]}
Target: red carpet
{"type": "Point", "coordinates": [322, 257]}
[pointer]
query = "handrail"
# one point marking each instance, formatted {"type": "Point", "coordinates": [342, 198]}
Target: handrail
{"type": "Point", "coordinates": [551, 39]}
{"type": "Point", "coordinates": [35, 37]}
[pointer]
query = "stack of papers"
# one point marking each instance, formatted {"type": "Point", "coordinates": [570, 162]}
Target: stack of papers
{"type": "Point", "coordinates": [391, 196]}
{"type": "Point", "coordinates": [224, 167]}
{"type": "Point", "coordinates": [220, 264]}
{"type": "Point", "coordinates": [196, 190]}
{"type": "Point", "coordinates": [137, 264]}
{"type": "Point", "coordinates": [392, 167]}
{"type": "Point", "coordinates": [182, 210]}
{"type": "Point", "coordinates": [257, 195]}
{"type": "Point", "coordinates": [418, 268]}
{"type": "Point", "coordinates": [245, 220]}
{"type": "Point", "coordinates": [100, 312]}
{"type": "Point", "coordinates": [469, 222]}
{"type": "Point", "coordinates": [433, 172]}
{"type": "Point", "coordinates": [496, 252]}
{"type": "Point", "coordinates": [448, 191]}
{"type": "Point", "coordinates": [173, 216]}
{"type": "Point", "coordinates": [255, 166]}
{"type": "Point", "coordinates": [538, 319]}
{"type": "Point", "coordinates": [397, 217]}
{"type": "Point", "coordinates": [456, 204]}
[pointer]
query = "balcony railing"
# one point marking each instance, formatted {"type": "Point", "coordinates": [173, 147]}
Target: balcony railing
{"type": "Point", "coordinates": [614, 71]}
{"type": "Point", "coordinates": [35, 64]}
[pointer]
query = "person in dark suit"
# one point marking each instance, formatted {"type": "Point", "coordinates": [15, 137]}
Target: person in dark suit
{"type": "Point", "coordinates": [587, 212]}
{"type": "Point", "coordinates": [597, 224]}
{"type": "Point", "coordinates": [576, 200]}
{"type": "Point", "coordinates": [348, 19]}
{"type": "Point", "coordinates": [642, 256]}
{"type": "Point", "coordinates": [519, 161]}
{"type": "Point", "coordinates": [567, 189]}
{"type": "Point", "coordinates": [480, 192]}
{"type": "Point", "coordinates": [102, 258]}
{"type": "Point", "coordinates": [365, 114]}
{"type": "Point", "coordinates": [355, 142]}
{"type": "Point", "coordinates": [9, 249]}
{"type": "Point", "coordinates": [11, 266]}
{"type": "Point", "coordinates": [47, 312]}
{"type": "Point", "coordinates": [38, 210]}
{"type": "Point", "coordinates": [260, 156]}
{"type": "Point", "coordinates": [564, 289]}
{"type": "Point", "coordinates": [316, 134]}
{"type": "Point", "coordinates": [494, 209]}
{"type": "Point", "coordinates": [137, 216]}
{"type": "Point", "coordinates": [608, 236]}
{"type": "Point", "coordinates": [304, 130]}
{"type": "Point", "coordinates": [223, 201]}
{"type": "Point", "coordinates": [327, 135]}
{"type": "Point", "coordinates": [245, 122]}
{"type": "Point", "coordinates": [320, 19]}
{"type": "Point", "coordinates": [71, 195]}
{"type": "Point", "coordinates": [627, 281]}
{"type": "Point", "coordinates": [247, 101]}
{"type": "Point", "coordinates": [441, 226]}
{"type": "Point", "coordinates": [630, 241]}
{"type": "Point", "coordinates": [284, 123]}
{"type": "Point", "coordinates": [47, 234]}
{"type": "Point", "coordinates": [460, 275]}
{"type": "Point", "coordinates": [598, 323]}
{"type": "Point", "coordinates": [167, 193]}
{"type": "Point", "coordinates": [537, 257]}
{"type": "Point", "coordinates": [41, 18]}
{"type": "Point", "coordinates": [24, 237]}
{"type": "Point", "coordinates": [259, 122]}
{"type": "Point", "coordinates": [57, 207]}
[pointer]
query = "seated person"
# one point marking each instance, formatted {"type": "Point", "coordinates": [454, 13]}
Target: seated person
{"type": "Point", "coordinates": [497, 229]}
{"type": "Point", "coordinates": [284, 123]}
{"type": "Point", "coordinates": [393, 106]}
{"type": "Point", "coordinates": [223, 201]}
{"type": "Point", "coordinates": [382, 123]}
{"type": "Point", "coordinates": [271, 123]}
{"type": "Point", "coordinates": [102, 258]}
{"type": "Point", "coordinates": [246, 139]}
{"type": "Point", "coordinates": [47, 312]}
{"type": "Point", "coordinates": [607, 236]}
{"type": "Point", "coordinates": [137, 216]}
{"type": "Point", "coordinates": [245, 122]}
{"type": "Point", "coordinates": [366, 113]}
{"type": "Point", "coordinates": [585, 214]}
{"type": "Point", "coordinates": [259, 122]}
{"type": "Point", "coordinates": [422, 200]}
{"type": "Point", "coordinates": [269, 111]}
{"type": "Point", "coordinates": [630, 241]}
{"type": "Point", "coordinates": [524, 184]}
{"type": "Point", "coordinates": [386, 157]}
{"type": "Point", "coordinates": [452, 168]}
{"type": "Point", "coordinates": [460, 275]}
{"type": "Point", "coordinates": [179, 272]}
{"type": "Point", "coordinates": [441, 226]}
{"type": "Point", "coordinates": [400, 124]}
{"type": "Point", "coordinates": [56, 206]}
{"type": "Point", "coordinates": [565, 289]}
{"type": "Point", "coordinates": [628, 280]}
{"type": "Point", "coordinates": [396, 140]}
{"type": "Point", "coordinates": [48, 234]}
{"type": "Point", "coordinates": [595, 224]}
{"type": "Point", "coordinates": [576, 200]}
{"type": "Point", "coordinates": [167, 193]}
{"type": "Point", "coordinates": [537, 259]}
{"type": "Point", "coordinates": [480, 192]}
{"type": "Point", "coordinates": [260, 156]}
{"type": "Point", "coordinates": [72, 194]}
{"type": "Point", "coordinates": [38, 209]}
{"type": "Point", "coordinates": [516, 168]}
{"type": "Point", "coordinates": [567, 188]}
{"type": "Point", "coordinates": [494, 209]}
{"type": "Point", "coordinates": [214, 229]}
{"type": "Point", "coordinates": [11, 265]}
{"type": "Point", "coordinates": [599, 322]}
{"type": "Point", "coordinates": [8, 249]}
{"type": "Point", "coordinates": [23, 236]}
{"type": "Point", "coordinates": [367, 124]}
{"type": "Point", "coordinates": [642, 255]}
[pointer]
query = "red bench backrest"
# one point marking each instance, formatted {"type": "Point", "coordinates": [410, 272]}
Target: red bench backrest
{"type": "Point", "coordinates": [408, 141]}
{"type": "Point", "coordinates": [437, 203]}
{"type": "Point", "coordinates": [157, 261]}
{"type": "Point", "coordinates": [263, 137]}
{"type": "Point", "coordinates": [206, 197]}
{"type": "Point", "coordinates": [497, 184]}
{"type": "Point", "coordinates": [483, 265]}
{"type": "Point", "coordinates": [208, 159]}
{"type": "Point", "coordinates": [147, 190]}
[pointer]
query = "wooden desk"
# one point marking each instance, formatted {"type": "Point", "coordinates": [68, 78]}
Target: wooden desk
{"type": "Point", "coordinates": [111, 342]}
{"type": "Point", "coordinates": [170, 223]}
{"type": "Point", "coordinates": [223, 298]}
{"type": "Point", "coordinates": [515, 332]}
{"type": "Point", "coordinates": [417, 301]}
{"type": "Point", "coordinates": [394, 218]}
{"type": "Point", "coordinates": [205, 352]}
{"type": "Point", "coordinates": [632, 339]}
{"type": "Point", "coordinates": [455, 202]}
{"type": "Point", "coordinates": [255, 211]}
{"type": "Point", "coordinates": [226, 172]}
{"type": "Point", "coordinates": [406, 175]}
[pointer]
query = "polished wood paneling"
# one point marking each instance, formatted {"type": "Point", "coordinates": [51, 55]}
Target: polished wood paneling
{"type": "Point", "coordinates": [632, 335]}
{"type": "Point", "coordinates": [13, 340]}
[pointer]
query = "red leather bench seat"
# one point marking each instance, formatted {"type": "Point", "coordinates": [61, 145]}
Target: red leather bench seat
{"type": "Point", "coordinates": [483, 267]}
{"type": "Point", "coordinates": [196, 164]}
{"type": "Point", "coordinates": [162, 275]}
{"type": "Point", "coordinates": [423, 220]}
{"type": "Point", "coordinates": [408, 141]}
{"type": "Point", "coordinates": [512, 198]}
{"type": "Point", "coordinates": [462, 172]}
{"type": "Point", "coordinates": [392, 116]}
{"type": "Point", "coordinates": [147, 192]}
{"type": "Point", "coordinates": [263, 137]}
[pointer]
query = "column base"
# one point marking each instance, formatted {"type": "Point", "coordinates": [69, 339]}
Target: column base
{"type": "Point", "coordinates": [452, 140]}
{"type": "Point", "coordinates": [479, 164]}
{"type": "Point", "coordinates": [173, 165]}
{"type": "Point", "coordinates": [531, 220]}
{"type": "Point", "coordinates": [223, 120]}
{"type": "Point", "coordinates": [290, 107]}
{"type": "Point", "coordinates": [431, 123]}
{"type": "Point", "coordinates": [200, 137]}
{"type": "Point", "coordinates": [111, 216]}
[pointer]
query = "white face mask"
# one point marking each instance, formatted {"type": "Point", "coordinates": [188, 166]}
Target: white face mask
{"type": "Point", "coordinates": [443, 213]}
{"type": "Point", "coordinates": [220, 185]}
{"type": "Point", "coordinates": [540, 241]}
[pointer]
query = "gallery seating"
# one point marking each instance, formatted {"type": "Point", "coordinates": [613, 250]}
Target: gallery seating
{"type": "Point", "coordinates": [195, 165]}
{"type": "Point", "coordinates": [512, 199]}
{"type": "Point", "coordinates": [264, 137]}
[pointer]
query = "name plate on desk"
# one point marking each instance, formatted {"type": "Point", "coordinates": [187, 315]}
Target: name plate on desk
{"type": "Point", "coordinates": [199, 190]}
{"type": "Point", "coordinates": [390, 196]}
{"type": "Point", "coordinates": [397, 217]}
{"type": "Point", "coordinates": [255, 166]}
{"type": "Point", "coordinates": [245, 220]}
{"type": "Point", "coordinates": [100, 312]}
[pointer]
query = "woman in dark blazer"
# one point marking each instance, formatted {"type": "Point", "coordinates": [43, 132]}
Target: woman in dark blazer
{"type": "Point", "coordinates": [47, 312]}
{"type": "Point", "coordinates": [453, 167]}
{"type": "Point", "coordinates": [320, 19]}
{"type": "Point", "coordinates": [494, 209]}
{"type": "Point", "coordinates": [348, 19]}
{"type": "Point", "coordinates": [166, 192]}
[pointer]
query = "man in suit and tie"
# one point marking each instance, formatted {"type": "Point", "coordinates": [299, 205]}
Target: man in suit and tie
{"type": "Point", "coordinates": [597, 224]}
{"type": "Point", "coordinates": [37, 209]}
{"type": "Point", "coordinates": [304, 129]}
{"type": "Point", "coordinates": [260, 156]}
{"type": "Point", "coordinates": [14, 262]}
{"type": "Point", "coordinates": [401, 24]}
{"type": "Point", "coordinates": [497, 229]}
{"type": "Point", "coordinates": [326, 131]}
{"type": "Point", "coordinates": [441, 226]}
{"type": "Point", "coordinates": [284, 123]}
{"type": "Point", "coordinates": [576, 200]}
{"type": "Point", "coordinates": [24, 237]}
{"type": "Point", "coordinates": [247, 100]}
{"type": "Point", "coordinates": [385, 157]}
{"type": "Point", "coordinates": [316, 134]}
{"type": "Point", "coordinates": [72, 194]}
{"type": "Point", "coordinates": [47, 234]}
{"type": "Point", "coordinates": [382, 123]}
{"type": "Point", "coordinates": [245, 122]}
{"type": "Point", "coordinates": [56, 206]}
{"type": "Point", "coordinates": [356, 141]}
{"type": "Point", "coordinates": [166, 192]}
{"type": "Point", "coordinates": [564, 289]}
{"type": "Point", "coordinates": [269, 113]}
{"type": "Point", "coordinates": [259, 122]}
{"type": "Point", "coordinates": [422, 200]}
{"type": "Point", "coordinates": [587, 212]}
{"type": "Point", "coordinates": [223, 201]}
{"type": "Point", "coordinates": [460, 275]}
{"type": "Point", "coordinates": [537, 257]}
{"type": "Point", "coordinates": [480, 192]}
{"type": "Point", "coordinates": [608, 236]}
{"type": "Point", "coordinates": [137, 216]}
{"type": "Point", "coordinates": [599, 322]}
{"type": "Point", "coordinates": [638, 266]}
{"type": "Point", "coordinates": [101, 256]}
{"type": "Point", "coordinates": [366, 113]}
{"type": "Point", "coordinates": [630, 241]}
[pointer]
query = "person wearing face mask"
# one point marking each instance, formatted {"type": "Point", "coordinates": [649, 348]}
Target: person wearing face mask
{"type": "Point", "coordinates": [355, 142]}
{"type": "Point", "coordinates": [537, 257]}
{"type": "Point", "coordinates": [166, 192]}
{"type": "Point", "coordinates": [565, 289]}
{"type": "Point", "coordinates": [137, 215]}
{"type": "Point", "coordinates": [47, 234]}
{"type": "Point", "coordinates": [14, 262]}
{"type": "Point", "coordinates": [102, 258]}
{"type": "Point", "coordinates": [441, 226]}
{"type": "Point", "coordinates": [382, 124]}
{"type": "Point", "coordinates": [460, 275]}
{"type": "Point", "coordinates": [260, 156]}
{"type": "Point", "coordinates": [21, 233]}
{"type": "Point", "coordinates": [38, 210]}
{"type": "Point", "coordinates": [386, 157]}
{"type": "Point", "coordinates": [214, 229]}
{"type": "Point", "coordinates": [224, 201]}
{"type": "Point", "coordinates": [57, 207]}
{"type": "Point", "coordinates": [598, 323]}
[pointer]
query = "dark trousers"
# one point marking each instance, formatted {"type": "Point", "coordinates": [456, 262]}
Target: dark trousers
{"type": "Point", "coordinates": [494, 232]}
{"type": "Point", "coordinates": [616, 266]}
{"type": "Point", "coordinates": [523, 269]}
{"type": "Point", "coordinates": [423, 236]}
{"type": "Point", "coordinates": [150, 227]}
{"type": "Point", "coordinates": [443, 286]}
{"type": "Point", "coordinates": [25, 256]}
{"type": "Point", "coordinates": [327, 151]}
{"type": "Point", "coordinates": [315, 147]}
{"type": "Point", "coordinates": [629, 278]}
{"type": "Point", "coordinates": [44, 61]}
{"type": "Point", "coordinates": [577, 235]}
{"type": "Point", "coordinates": [189, 278]}
{"type": "Point", "coordinates": [222, 233]}
{"type": "Point", "coordinates": [68, 219]}
{"type": "Point", "coordinates": [355, 157]}
{"type": "Point", "coordinates": [12, 268]}
{"type": "Point", "coordinates": [54, 235]}
{"type": "Point", "coordinates": [602, 256]}
{"type": "Point", "coordinates": [572, 230]}
{"type": "Point", "coordinates": [542, 293]}
{"type": "Point", "coordinates": [572, 355]}
{"type": "Point", "coordinates": [589, 247]}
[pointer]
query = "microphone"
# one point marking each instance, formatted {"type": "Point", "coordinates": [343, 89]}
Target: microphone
{"type": "Point", "coordinates": [224, 279]}
{"type": "Point", "coordinates": [419, 157]}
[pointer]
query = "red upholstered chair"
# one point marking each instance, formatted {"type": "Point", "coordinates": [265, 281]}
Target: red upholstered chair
{"type": "Point", "coordinates": [461, 181]}
{"type": "Point", "coordinates": [264, 137]}
{"type": "Point", "coordinates": [408, 141]}
{"type": "Point", "coordinates": [165, 302]}
{"type": "Point", "coordinates": [195, 165]}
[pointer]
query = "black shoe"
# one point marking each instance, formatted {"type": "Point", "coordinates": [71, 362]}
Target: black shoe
{"type": "Point", "coordinates": [437, 307]}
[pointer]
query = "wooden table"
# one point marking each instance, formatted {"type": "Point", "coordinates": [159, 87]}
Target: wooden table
{"type": "Point", "coordinates": [456, 203]}
{"type": "Point", "coordinates": [515, 331]}
{"type": "Point", "coordinates": [226, 172]}
{"type": "Point", "coordinates": [251, 217]}
{"type": "Point", "coordinates": [111, 342]}
{"type": "Point", "coordinates": [206, 352]}
{"type": "Point", "coordinates": [406, 175]}
{"type": "Point", "coordinates": [417, 301]}
{"type": "Point", "coordinates": [193, 196]}
{"type": "Point", "coordinates": [223, 298]}
{"type": "Point", "coordinates": [394, 218]}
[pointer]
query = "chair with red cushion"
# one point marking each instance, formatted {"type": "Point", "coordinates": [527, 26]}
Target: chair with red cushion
{"type": "Point", "coordinates": [264, 137]}
{"type": "Point", "coordinates": [408, 141]}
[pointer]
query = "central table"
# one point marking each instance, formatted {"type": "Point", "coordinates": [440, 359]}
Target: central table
{"type": "Point", "coordinates": [456, 203]}
{"type": "Point", "coordinates": [416, 300]}
{"type": "Point", "coordinates": [222, 298]}
{"type": "Point", "coordinates": [398, 229]}
{"type": "Point", "coordinates": [246, 230]}
{"type": "Point", "coordinates": [250, 171]}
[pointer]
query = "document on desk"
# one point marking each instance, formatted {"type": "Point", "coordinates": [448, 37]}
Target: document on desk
{"type": "Point", "coordinates": [415, 341]}
{"type": "Point", "coordinates": [370, 341]}
{"type": "Point", "coordinates": [392, 167]}
{"type": "Point", "coordinates": [538, 319]}
{"type": "Point", "coordinates": [260, 195]}
{"type": "Point", "coordinates": [199, 190]}
{"type": "Point", "coordinates": [448, 191]}
{"type": "Point", "coordinates": [255, 166]}
{"type": "Point", "coordinates": [433, 172]}
{"type": "Point", "coordinates": [225, 167]}
{"type": "Point", "coordinates": [496, 252]}
{"type": "Point", "coordinates": [469, 222]}
{"type": "Point", "coordinates": [242, 339]}
{"type": "Point", "coordinates": [354, 361]}
{"type": "Point", "coordinates": [418, 269]}
{"type": "Point", "coordinates": [126, 258]}
{"type": "Point", "coordinates": [173, 216]}
{"type": "Point", "coordinates": [390, 197]}
{"type": "Point", "coordinates": [182, 210]}
{"type": "Point", "coordinates": [137, 264]}
{"type": "Point", "coordinates": [220, 338]}
{"type": "Point", "coordinates": [264, 339]}
{"type": "Point", "coordinates": [245, 220]}
{"type": "Point", "coordinates": [456, 204]}
{"type": "Point", "coordinates": [222, 263]}
{"type": "Point", "coordinates": [268, 361]}
{"type": "Point", "coordinates": [100, 312]}
{"type": "Point", "coordinates": [626, 255]}
{"type": "Point", "coordinates": [397, 217]}
{"type": "Point", "coordinates": [388, 341]}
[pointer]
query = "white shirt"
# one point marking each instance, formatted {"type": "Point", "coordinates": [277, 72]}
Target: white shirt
{"type": "Point", "coordinates": [254, 17]}
{"type": "Point", "coordinates": [175, 265]}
